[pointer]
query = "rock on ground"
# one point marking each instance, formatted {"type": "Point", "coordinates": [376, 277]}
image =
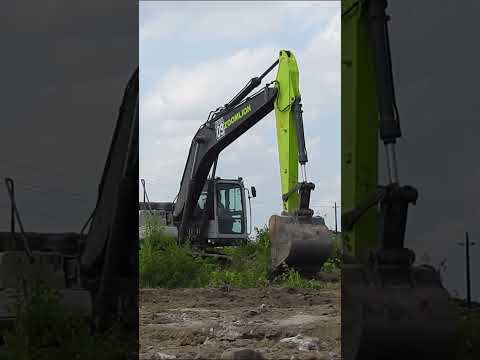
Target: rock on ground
{"type": "Point", "coordinates": [215, 324]}
{"type": "Point", "coordinates": [241, 354]}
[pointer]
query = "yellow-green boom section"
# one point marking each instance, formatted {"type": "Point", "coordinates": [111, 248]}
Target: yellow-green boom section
{"type": "Point", "coordinates": [288, 91]}
{"type": "Point", "coordinates": [359, 129]}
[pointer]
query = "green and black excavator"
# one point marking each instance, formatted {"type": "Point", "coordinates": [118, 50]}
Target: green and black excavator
{"type": "Point", "coordinates": [210, 211]}
{"type": "Point", "coordinates": [391, 307]}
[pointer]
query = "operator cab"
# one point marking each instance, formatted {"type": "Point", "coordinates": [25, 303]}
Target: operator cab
{"type": "Point", "coordinates": [227, 218]}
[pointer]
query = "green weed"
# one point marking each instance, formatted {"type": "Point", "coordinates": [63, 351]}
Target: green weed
{"type": "Point", "coordinates": [469, 337]}
{"type": "Point", "coordinates": [164, 263]}
{"type": "Point", "coordinates": [43, 329]}
{"type": "Point", "coordinates": [292, 279]}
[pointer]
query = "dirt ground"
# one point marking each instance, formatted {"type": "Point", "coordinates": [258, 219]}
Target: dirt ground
{"type": "Point", "coordinates": [203, 323]}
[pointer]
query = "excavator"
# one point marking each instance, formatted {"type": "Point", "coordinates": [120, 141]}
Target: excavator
{"type": "Point", "coordinates": [392, 308]}
{"type": "Point", "coordinates": [210, 211]}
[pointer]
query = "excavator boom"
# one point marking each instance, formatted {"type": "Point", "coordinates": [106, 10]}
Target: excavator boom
{"type": "Point", "coordinates": [212, 137]}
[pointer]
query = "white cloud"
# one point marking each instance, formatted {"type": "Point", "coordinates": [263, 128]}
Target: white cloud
{"type": "Point", "coordinates": [191, 92]}
{"type": "Point", "coordinates": [229, 20]}
{"type": "Point", "coordinates": [320, 70]}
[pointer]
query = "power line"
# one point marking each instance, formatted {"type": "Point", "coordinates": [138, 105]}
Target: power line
{"type": "Point", "coordinates": [36, 169]}
{"type": "Point", "coordinates": [49, 190]}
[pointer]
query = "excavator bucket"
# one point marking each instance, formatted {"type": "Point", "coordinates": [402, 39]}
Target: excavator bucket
{"type": "Point", "coordinates": [395, 313]}
{"type": "Point", "coordinates": [303, 246]}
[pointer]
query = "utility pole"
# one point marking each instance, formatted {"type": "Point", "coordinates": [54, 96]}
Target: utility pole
{"type": "Point", "coordinates": [12, 211]}
{"type": "Point", "coordinates": [144, 191]}
{"type": "Point", "coordinates": [335, 207]}
{"type": "Point", "coordinates": [467, 267]}
{"type": "Point", "coordinates": [12, 217]}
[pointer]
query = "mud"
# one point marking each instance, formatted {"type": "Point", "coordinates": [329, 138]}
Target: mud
{"type": "Point", "coordinates": [203, 323]}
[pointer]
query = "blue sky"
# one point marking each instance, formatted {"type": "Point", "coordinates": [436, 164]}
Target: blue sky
{"type": "Point", "coordinates": [194, 56]}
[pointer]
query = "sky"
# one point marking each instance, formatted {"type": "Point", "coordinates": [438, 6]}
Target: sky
{"type": "Point", "coordinates": [62, 91]}
{"type": "Point", "coordinates": [195, 56]}
{"type": "Point", "coordinates": [435, 69]}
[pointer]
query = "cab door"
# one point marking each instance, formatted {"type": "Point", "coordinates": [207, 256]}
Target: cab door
{"type": "Point", "coordinates": [230, 211]}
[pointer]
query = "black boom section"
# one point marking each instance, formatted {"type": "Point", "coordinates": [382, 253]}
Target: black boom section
{"type": "Point", "coordinates": [214, 136]}
{"type": "Point", "coordinates": [122, 157]}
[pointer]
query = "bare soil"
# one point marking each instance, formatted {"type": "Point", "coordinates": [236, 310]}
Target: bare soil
{"type": "Point", "coordinates": [203, 323]}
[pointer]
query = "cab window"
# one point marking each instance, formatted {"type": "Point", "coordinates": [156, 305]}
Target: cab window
{"type": "Point", "coordinates": [230, 209]}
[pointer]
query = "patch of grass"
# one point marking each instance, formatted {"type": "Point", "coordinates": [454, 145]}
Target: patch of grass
{"type": "Point", "coordinates": [43, 329]}
{"type": "Point", "coordinates": [329, 266]}
{"type": "Point", "coordinates": [334, 262]}
{"type": "Point", "coordinates": [292, 279]}
{"type": "Point", "coordinates": [237, 279]}
{"type": "Point", "coordinates": [163, 263]}
{"type": "Point", "coordinates": [469, 346]}
{"type": "Point", "coordinates": [249, 264]}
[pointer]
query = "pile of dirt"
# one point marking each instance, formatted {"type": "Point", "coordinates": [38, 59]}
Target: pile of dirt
{"type": "Point", "coordinates": [279, 323]}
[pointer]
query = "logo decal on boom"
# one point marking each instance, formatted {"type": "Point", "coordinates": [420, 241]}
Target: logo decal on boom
{"type": "Point", "coordinates": [221, 125]}
{"type": "Point", "coordinates": [219, 128]}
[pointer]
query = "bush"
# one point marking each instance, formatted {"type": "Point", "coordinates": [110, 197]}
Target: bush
{"type": "Point", "coordinates": [248, 267]}
{"type": "Point", "coordinates": [469, 346]}
{"type": "Point", "coordinates": [163, 263]}
{"type": "Point", "coordinates": [334, 262]}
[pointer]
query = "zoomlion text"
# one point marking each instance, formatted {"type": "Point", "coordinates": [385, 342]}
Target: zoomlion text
{"type": "Point", "coordinates": [237, 116]}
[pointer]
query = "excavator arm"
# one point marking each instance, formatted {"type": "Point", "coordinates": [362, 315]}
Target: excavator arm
{"type": "Point", "coordinates": [391, 308]}
{"type": "Point", "coordinates": [231, 121]}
